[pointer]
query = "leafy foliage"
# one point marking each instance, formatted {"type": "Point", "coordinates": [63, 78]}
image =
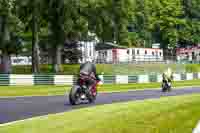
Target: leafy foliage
{"type": "Point", "coordinates": [72, 53]}
{"type": "Point", "coordinates": [10, 26]}
{"type": "Point", "coordinates": [133, 23]}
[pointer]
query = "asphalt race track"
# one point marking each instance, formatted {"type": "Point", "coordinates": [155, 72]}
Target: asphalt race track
{"type": "Point", "coordinates": [13, 109]}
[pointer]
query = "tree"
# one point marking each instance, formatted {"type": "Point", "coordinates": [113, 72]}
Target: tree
{"type": "Point", "coordinates": [190, 33]}
{"type": "Point", "coordinates": [72, 53]}
{"type": "Point", "coordinates": [9, 27]}
{"type": "Point", "coordinates": [164, 21]}
{"type": "Point", "coordinates": [56, 16]}
{"type": "Point", "coordinates": [139, 24]}
{"type": "Point", "coordinates": [31, 13]}
{"type": "Point", "coordinates": [109, 19]}
{"type": "Point", "coordinates": [66, 25]}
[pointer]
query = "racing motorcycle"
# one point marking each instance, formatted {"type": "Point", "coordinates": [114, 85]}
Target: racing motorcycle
{"type": "Point", "coordinates": [84, 89]}
{"type": "Point", "coordinates": [166, 86]}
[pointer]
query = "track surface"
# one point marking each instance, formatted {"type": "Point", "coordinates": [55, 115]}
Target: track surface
{"type": "Point", "coordinates": [13, 109]}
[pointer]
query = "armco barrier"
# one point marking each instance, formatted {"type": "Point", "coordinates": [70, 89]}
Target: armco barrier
{"type": "Point", "coordinates": [132, 79]}
{"type": "Point", "coordinates": [195, 75]}
{"type": "Point", "coordinates": [70, 79]}
{"type": "Point", "coordinates": [121, 79]}
{"type": "Point", "coordinates": [177, 77]}
{"type": "Point", "coordinates": [21, 79]}
{"type": "Point", "coordinates": [143, 78]}
{"type": "Point", "coordinates": [159, 78]}
{"type": "Point", "coordinates": [153, 78]}
{"type": "Point", "coordinates": [109, 79]}
{"type": "Point", "coordinates": [61, 79]}
{"type": "Point", "coordinates": [4, 79]}
{"type": "Point", "coordinates": [44, 79]}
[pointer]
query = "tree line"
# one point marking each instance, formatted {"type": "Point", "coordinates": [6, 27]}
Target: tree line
{"type": "Point", "coordinates": [132, 23]}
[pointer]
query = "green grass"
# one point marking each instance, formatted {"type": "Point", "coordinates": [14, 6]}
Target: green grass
{"type": "Point", "coordinates": [60, 90]}
{"type": "Point", "coordinates": [113, 69]}
{"type": "Point", "coordinates": [166, 115]}
{"type": "Point", "coordinates": [32, 90]}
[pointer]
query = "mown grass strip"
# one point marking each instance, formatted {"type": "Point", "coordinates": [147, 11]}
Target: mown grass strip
{"type": "Point", "coordinates": [48, 90]}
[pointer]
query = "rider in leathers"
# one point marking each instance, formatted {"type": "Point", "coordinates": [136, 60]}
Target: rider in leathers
{"type": "Point", "coordinates": [88, 69]}
{"type": "Point", "coordinates": [168, 76]}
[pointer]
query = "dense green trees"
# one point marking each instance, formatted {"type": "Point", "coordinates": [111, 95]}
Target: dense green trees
{"type": "Point", "coordinates": [31, 12]}
{"type": "Point", "coordinates": [56, 19]}
{"type": "Point", "coordinates": [10, 26]}
{"type": "Point", "coordinates": [164, 20]}
{"type": "Point", "coordinates": [125, 22]}
{"type": "Point", "coordinates": [191, 32]}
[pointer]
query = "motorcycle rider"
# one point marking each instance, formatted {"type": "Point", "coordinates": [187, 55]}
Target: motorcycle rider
{"type": "Point", "coordinates": [168, 76]}
{"type": "Point", "coordinates": [88, 70]}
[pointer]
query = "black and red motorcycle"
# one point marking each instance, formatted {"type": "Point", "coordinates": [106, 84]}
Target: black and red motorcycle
{"type": "Point", "coordinates": [84, 89]}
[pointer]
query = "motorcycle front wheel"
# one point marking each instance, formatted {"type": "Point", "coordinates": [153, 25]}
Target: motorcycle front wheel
{"type": "Point", "coordinates": [74, 95]}
{"type": "Point", "coordinates": [164, 87]}
{"type": "Point", "coordinates": [92, 97]}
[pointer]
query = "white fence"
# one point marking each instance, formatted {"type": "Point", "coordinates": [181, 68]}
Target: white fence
{"type": "Point", "coordinates": [106, 79]}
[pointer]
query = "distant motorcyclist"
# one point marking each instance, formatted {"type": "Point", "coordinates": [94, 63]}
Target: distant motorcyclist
{"type": "Point", "coordinates": [168, 75]}
{"type": "Point", "coordinates": [167, 80]}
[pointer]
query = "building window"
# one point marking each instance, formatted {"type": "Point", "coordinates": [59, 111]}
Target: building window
{"type": "Point", "coordinates": [127, 51]}
{"type": "Point", "coordinates": [105, 53]}
{"type": "Point", "coordinates": [133, 51]}
{"type": "Point", "coordinates": [145, 52]}
{"type": "Point", "coordinates": [90, 53]}
{"type": "Point", "coordinates": [138, 52]}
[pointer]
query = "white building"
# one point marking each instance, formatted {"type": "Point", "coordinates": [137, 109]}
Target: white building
{"type": "Point", "coordinates": [145, 54]}
{"type": "Point", "coordinates": [112, 56]}
{"type": "Point", "coordinates": [188, 54]}
{"type": "Point", "coordinates": [130, 55]}
{"type": "Point", "coordinates": [88, 50]}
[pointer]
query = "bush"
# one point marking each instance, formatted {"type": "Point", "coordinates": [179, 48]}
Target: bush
{"type": "Point", "coordinates": [46, 69]}
{"type": "Point", "coordinates": [21, 69]}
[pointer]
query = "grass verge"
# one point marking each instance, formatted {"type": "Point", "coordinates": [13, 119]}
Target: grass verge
{"type": "Point", "coordinates": [166, 115]}
{"type": "Point", "coordinates": [60, 90]}
{"type": "Point", "coordinates": [110, 69]}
